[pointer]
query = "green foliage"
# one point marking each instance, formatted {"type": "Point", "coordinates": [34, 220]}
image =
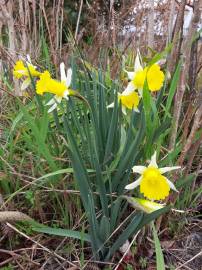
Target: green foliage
{"type": "Point", "coordinates": [101, 146]}
{"type": "Point", "coordinates": [160, 265]}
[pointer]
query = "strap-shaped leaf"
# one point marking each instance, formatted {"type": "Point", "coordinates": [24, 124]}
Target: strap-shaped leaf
{"type": "Point", "coordinates": [131, 229]}
{"type": "Point", "coordinates": [62, 232]}
{"type": "Point", "coordinates": [78, 165]}
{"type": "Point", "coordinates": [104, 228]}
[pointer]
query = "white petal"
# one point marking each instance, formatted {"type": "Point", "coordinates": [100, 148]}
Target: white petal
{"type": "Point", "coordinates": [136, 110]}
{"type": "Point", "coordinates": [124, 110]}
{"type": "Point", "coordinates": [28, 59]}
{"type": "Point", "coordinates": [50, 102]}
{"type": "Point", "coordinates": [134, 184]}
{"type": "Point", "coordinates": [168, 169]}
{"type": "Point", "coordinates": [130, 75]}
{"type": "Point", "coordinates": [66, 97]}
{"type": "Point", "coordinates": [52, 108]}
{"type": "Point", "coordinates": [69, 77]}
{"type": "Point", "coordinates": [140, 92]}
{"type": "Point", "coordinates": [66, 93]}
{"type": "Point", "coordinates": [138, 169]}
{"type": "Point", "coordinates": [58, 99]}
{"type": "Point", "coordinates": [153, 161]}
{"type": "Point", "coordinates": [25, 84]}
{"type": "Point", "coordinates": [111, 105]}
{"type": "Point", "coordinates": [137, 66]}
{"type": "Point", "coordinates": [172, 186]}
{"type": "Point", "coordinates": [129, 89]}
{"type": "Point", "coordinates": [62, 72]}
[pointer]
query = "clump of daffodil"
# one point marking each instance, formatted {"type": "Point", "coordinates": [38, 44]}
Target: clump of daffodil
{"type": "Point", "coordinates": [153, 74]}
{"type": "Point", "coordinates": [26, 71]}
{"type": "Point", "coordinates": [60, 89]}
{"type": "Point", "coordinates": [153, 184]}
{"type": "Point", "coordinates": [144, 205]}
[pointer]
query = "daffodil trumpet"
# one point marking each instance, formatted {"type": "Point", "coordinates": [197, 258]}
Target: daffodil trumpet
{"type": "Point", "coordinates": [128, 101]}
{"type": "Point", "coordinates": [153, 184]}
{"type": "Point", "coordinates": [25, 70]}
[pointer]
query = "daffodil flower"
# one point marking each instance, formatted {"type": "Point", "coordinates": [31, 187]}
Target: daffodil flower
{"type": "Point", "coordinates": [128, 100]}
{"type": "Point", "coordinates": [152, 183]}
{"type": "Point", "coordinates": [153, 74]}
{"type": "Point", "coordinates": [144, 205]}
{"type": "Point", "coordinates": [60, 89]}
{"type": "Point", "coordinates": [25, 71]}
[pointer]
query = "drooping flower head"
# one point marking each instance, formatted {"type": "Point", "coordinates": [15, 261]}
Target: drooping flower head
{"type": "Point", "coordinates": [152, 183]}
{"type": "Point", "coordinates": [144, 205]}
{"type": "Point", "coordinates": [25, 71]}
{"type": "Point", "coordinates": [60, 89]}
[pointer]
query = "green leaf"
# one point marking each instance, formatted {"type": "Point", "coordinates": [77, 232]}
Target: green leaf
{"type": "Point", "coordinates": [149, 217]}
{"type": "Point", "coordinates": [147, 110]}
{"type": "Point", "coordinates": [39, 137]}
{"type": "Point", "coordinates": [80, 170]}
{"type": "Point", "coordinates": [62, 232]}
{"type": "Point", "coordinates": [112, 129]}
{"type": "Point", "coordinates": [161, 55]}
{"type": "Point", "coordinates": [104, 228]}
{"type": "Point", "coordinates": [127, 232]}
{"type": "Point", "coordinates": [172, 89]}
{"type": "Point", "coordinates": [159, 254]}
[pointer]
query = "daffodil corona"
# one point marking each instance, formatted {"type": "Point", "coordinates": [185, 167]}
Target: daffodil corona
{"type": "Point", "coordinates": [27, 71]}
{"type": "Point", "coordinates": [60, 89]}
{"type": "Point", "coordinates": [152, 183]}
{"type": "Point", "coordinates": [128, 101]}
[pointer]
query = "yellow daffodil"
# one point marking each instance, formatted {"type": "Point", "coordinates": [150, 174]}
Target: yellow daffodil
{"type": "Point", "coordinates": [152, 183]}
{"type": "Point", "coordinates": [129, 101]}
{"type": "Point", "coordinates": [153, 74]}
{"type": "Point", "coordinates": [144, 205]}
{"type": "Point", "coordinates": [25, 71]}
{"type": "Point", "coordinates": [60, 89]}
{"type": "Point", "coordinates": [155, 77]}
